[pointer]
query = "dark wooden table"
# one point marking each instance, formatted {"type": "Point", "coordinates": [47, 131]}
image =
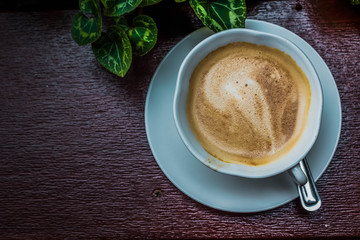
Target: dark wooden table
{"type": "Point", "coordinates": [74, 157]}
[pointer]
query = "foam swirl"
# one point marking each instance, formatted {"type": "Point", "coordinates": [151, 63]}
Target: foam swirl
{"type": "Point", "coordinates": [247, 103]}
{"type": "Point", "coordinates": [247, 94]}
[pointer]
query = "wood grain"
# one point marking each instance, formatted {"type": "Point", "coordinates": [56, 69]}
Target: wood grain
{"type": "Point", "coordinates": [75, 161]}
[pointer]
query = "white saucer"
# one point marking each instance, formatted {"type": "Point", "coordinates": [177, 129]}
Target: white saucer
{"type": "Point", "coordinates": [217, 190]}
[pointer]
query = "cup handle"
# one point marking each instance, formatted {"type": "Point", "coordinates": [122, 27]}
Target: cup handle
{"type": "Point", "coordinates": [298, 175]}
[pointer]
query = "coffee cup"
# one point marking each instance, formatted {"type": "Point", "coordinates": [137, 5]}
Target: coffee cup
{"type": "Point", "coordinates": [257, 126]}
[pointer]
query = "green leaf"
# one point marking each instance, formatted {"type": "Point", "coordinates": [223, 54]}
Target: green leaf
{"type": "Point", "coordinates": [143, 35]}
{"type": "Point", "coordinates": [179, 1]}
{"type": "Point", "coordinates": [86, 30]}
{"type": "Point", "coordinates": [354, 2]}
{"type": "Point", "coordinates": [116, 8]}
{"type": "Point", "coordinates": [113, 50]}
{"type": "Point", "coordinates": [121, 21]}
{"type": "Point", "coordinates": [220, 15]}
{"type": "Point", "coordinates": [90, 6]}
{"type": "Point", "coordinates": [108, 3]}
{"type": "Point", "coordinates": [145, 3]}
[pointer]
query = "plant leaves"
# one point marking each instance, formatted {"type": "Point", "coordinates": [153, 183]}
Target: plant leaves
{"type": "Point", "coordinates": [90, 6]}
{"type": "Point", "coordinates": [143, 35]}
{"type": "Point", "coordinates": [116, 8]}
{"type": "Point", "coordinates": [179, 1]}
{"type": "Point", "coordinates": [113, 50]}
{"type": "Point", "coordinates": [145, 3]}
{"type": "Point", "coordinates": [122, 22]}
{"type": "Point", "coordinates": [108, 3]}
{"type": "Point", "coordinates": [220, 15]}
{"type": "Point", "coordinates": [85, 30]}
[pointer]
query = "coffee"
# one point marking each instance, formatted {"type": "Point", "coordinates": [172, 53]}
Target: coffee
{"type": "Point", "coordinates": [247, 103]}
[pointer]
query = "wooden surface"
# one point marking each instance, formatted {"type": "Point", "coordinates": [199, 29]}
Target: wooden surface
{"type": "Point", "coordinates": [74, 157]}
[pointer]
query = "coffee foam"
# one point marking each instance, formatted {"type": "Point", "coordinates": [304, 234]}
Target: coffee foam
{"type": "Point", "coordinates": [246, 103]}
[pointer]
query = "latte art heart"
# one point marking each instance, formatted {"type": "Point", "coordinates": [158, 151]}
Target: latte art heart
{"type": "Point", "coordinates": [247, 103]}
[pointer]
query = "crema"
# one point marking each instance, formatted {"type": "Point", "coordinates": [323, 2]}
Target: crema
{"type": "Point", "coordinates": [247, 103]}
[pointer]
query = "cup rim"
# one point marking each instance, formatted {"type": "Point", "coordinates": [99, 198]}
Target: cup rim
{"type": "Point", "coordinates": [265, 170]}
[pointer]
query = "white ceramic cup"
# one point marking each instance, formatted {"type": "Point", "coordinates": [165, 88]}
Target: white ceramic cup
{"type": "Point", "coordinates": [288, 162]}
